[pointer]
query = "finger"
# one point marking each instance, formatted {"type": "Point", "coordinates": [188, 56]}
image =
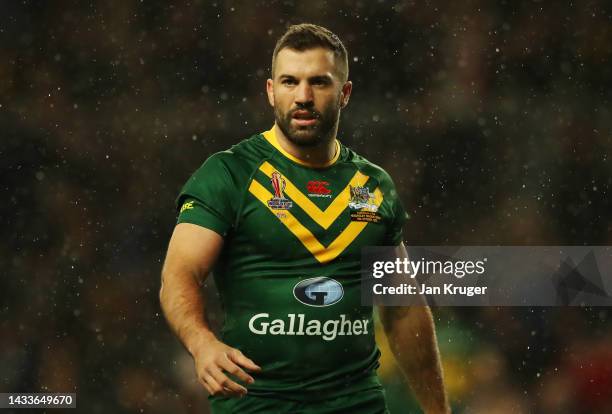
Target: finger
{"type": "Point", "coordinates": [238, 357]}
{"type": "Point", "coordinates": [215, 387]}
{"type": "Point", "coordinates": [229, 385]}
{"type": "Point", "coordinates": [205, 385]}
{"type": "Point", "coordinates": [228, 366]}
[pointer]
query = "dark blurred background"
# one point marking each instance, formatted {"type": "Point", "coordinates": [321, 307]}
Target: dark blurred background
{"type": "Point", "coordinates": [494, 119]}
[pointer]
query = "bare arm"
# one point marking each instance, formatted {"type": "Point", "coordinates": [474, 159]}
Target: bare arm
{"type": "Point", "coordinates": [411, 335]}
{"type": "Point", "coordinates": [192, 252]}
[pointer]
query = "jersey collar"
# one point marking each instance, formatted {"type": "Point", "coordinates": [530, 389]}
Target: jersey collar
{"type": "Point", "coordinates": [270, 136]}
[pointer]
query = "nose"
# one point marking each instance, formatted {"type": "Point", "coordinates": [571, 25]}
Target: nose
{"type": "Point", "coordinates": [303, 94]}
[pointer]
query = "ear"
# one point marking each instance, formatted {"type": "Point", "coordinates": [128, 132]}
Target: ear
{"type": "Point", "coordinates": [270, 91]}
{"type": "Point", "coordinates": [347, 88]}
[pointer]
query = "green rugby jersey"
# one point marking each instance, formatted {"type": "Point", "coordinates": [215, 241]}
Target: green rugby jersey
{"type": "Point", "coordinates": [289, 272]}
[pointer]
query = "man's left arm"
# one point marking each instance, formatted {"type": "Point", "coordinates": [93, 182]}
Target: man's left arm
{"type": "Point", "coordinates": [411, 335]}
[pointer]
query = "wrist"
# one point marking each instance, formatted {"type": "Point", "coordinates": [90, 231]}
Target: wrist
{"type": "Point", "coordinates": [199, 341]}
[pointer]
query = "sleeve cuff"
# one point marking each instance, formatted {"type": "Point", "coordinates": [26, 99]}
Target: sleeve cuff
{"type": "Point", "coordinates": [194, 212]}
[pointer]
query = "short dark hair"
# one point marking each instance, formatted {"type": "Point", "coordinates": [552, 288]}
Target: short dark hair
{"type": "Point", "coordinates": [308, 36]}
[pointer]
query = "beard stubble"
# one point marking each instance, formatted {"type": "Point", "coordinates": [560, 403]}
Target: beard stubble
{"type": "Point", "coordinates": [309, 136]}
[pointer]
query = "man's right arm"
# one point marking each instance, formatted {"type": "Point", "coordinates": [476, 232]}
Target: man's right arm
{"type": "Point", "coordinates": [191, 255]}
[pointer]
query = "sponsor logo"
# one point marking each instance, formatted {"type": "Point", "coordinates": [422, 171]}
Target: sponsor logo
{"type": "Point", "coordinates": [187, 206]}
{"type": "Point", "coordinates": [318, 291]}
{"type": "Point", "coordinates": [279, 202]}
{"type": "Point", "coordinates": [296, 324]}
{"type": "Point", "coordinates": [318, 189]}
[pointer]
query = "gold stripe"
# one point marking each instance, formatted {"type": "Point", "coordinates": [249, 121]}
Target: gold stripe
{"type": "Point", "coordinates": [270, 136]}
{"type": "Point", "coordinates": [349, 234]}
{"type": "Point", "coordinates": [306, 237]}
{"type": "Point", "coordinates": [321, 253]}
{"type": "Point", "coordinates": [331, 213]}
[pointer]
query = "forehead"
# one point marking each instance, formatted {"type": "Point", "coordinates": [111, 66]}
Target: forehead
{"type": "Point", "coordinates": [311, 62]}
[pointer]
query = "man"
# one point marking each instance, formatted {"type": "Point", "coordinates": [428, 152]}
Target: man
{"type": "Point", "coordinates": [281, 217]}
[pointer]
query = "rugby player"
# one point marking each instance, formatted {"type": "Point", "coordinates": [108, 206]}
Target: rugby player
{"type": "Point", "coordinates": [279, 219]}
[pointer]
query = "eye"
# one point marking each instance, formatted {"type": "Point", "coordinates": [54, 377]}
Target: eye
{"type": "Point", "coordinates": [322, 81]}
{"type": "Point", "coordinates": [288, 81]}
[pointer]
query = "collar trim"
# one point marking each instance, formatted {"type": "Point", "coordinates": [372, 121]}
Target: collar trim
{"type": "Point", "coordinates": [270, 136]}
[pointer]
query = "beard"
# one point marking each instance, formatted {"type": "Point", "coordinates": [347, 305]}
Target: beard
{"type": "Point", "coordinates": [309, 135]}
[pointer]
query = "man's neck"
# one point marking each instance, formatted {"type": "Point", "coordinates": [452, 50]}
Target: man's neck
{"type": "Point", "coordinates": [317, 155]}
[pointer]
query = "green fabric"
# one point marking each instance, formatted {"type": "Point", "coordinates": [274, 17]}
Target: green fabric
{"type": "Point", "coordinates": [370, 401]}
{"type": "Point", "coordinates": [302, 348]}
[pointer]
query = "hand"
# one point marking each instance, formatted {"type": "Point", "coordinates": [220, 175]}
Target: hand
{"type": "Point", "coordinates": [213, 359]}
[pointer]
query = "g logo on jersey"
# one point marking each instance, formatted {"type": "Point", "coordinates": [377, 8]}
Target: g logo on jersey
{"type": "Point", "coordinates": [318, 291]}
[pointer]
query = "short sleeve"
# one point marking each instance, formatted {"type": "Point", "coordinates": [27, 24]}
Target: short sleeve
{"type": "Point", "coordinates": [208, 197]}
{"type": "Point", "coordinates": [398, 219]}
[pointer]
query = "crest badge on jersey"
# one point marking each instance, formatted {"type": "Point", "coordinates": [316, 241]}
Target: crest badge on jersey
{"type": "Point", "coordinates": [279, 201]}
{"type": "Point", "coordinates": [362, 205]}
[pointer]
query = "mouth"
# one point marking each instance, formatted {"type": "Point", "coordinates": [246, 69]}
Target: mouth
{"type": "Point", "coordinates": [303, 117]}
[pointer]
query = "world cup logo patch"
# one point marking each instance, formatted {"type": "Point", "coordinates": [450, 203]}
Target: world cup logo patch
{"type": "Point", "coordinates": [279, 202]}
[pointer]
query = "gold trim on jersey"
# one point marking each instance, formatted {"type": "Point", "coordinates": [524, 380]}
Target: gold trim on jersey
{"type": "Point", "coordinates": [313, 245]}
{"type": "Point", "coordinates": [271, 137]}
{"type": "Point", "coordinates": [330, 214]}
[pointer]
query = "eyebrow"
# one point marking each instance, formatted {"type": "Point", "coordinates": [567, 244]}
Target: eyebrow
{"type": "Point", "coordinates": [325, 78]}
{"type": "Point", "coordinates": [320, 78]}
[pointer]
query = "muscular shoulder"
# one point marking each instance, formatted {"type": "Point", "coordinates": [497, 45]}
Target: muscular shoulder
{"type": "Point", "coordinates": [218, 184]}
{"type": "Point", "coordinates": [370, 169]}
{"type": "Point", "coordinates": [236, 162]}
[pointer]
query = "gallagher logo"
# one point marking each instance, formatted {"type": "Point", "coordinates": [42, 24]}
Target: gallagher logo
{"type": "Point", "coordinates": [318, 291]}
{"type": "Point", "coordinates": [318, 189]}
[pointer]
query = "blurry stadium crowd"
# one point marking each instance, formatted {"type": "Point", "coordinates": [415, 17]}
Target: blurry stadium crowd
{"type": "Point", "coordinates": [493, 118]}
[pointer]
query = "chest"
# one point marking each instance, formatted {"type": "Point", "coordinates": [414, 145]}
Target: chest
{"type": "Point", "coordinates": [292, 213]}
